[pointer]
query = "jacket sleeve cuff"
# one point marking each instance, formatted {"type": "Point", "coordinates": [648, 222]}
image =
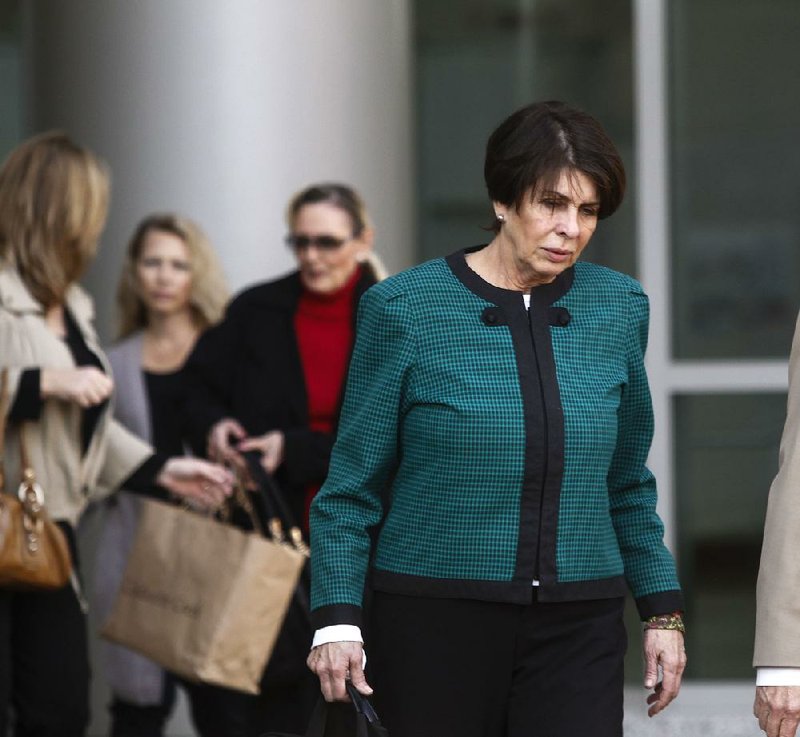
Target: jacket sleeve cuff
{"type": "Point", "coordinates": [334, 614]}
{"type": "Point", "coordinates": [28, 399]}
{"type": "Point", "coordinates": [662, 602]}
{"type": "Point", "coordinates": [143, 480]}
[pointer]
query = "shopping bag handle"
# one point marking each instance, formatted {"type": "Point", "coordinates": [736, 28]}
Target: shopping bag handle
{"type": "Point", "coordinates": [276, 507]}
{"type": "Point", "coordinates": [319, 718]}
{"type": "Point", "coordinates": [274, 501]}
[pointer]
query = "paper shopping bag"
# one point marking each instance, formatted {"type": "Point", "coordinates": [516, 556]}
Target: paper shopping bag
{"type": "Point", "coordinates": [204, 599]}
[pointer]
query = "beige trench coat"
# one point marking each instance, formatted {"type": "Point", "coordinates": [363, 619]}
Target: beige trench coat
{"type": "Point", "coordinates": [69, 479]}
{"type": "Point", "coordinates": [778, 593]}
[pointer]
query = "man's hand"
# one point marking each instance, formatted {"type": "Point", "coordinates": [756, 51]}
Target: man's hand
{"type": "Point", "coordinates": [777, 709]}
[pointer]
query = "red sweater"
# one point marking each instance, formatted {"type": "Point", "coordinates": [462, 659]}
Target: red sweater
{"type": "Point", "coordinates": [323, 325]}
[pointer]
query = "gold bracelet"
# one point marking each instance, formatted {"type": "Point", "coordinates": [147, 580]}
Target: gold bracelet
{"type": "Point", "coordinates": [673, 621]}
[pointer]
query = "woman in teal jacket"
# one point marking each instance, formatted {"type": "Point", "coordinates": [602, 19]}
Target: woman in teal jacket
{"type": "Point", "coordinates": [494, 434]}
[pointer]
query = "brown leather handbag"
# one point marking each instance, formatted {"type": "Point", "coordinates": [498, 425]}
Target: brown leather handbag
{"type": "Point", "coordinates": [33, 550]}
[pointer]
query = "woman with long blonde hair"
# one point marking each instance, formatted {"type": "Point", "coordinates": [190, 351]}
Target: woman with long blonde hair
{"type": "Point", "coordinates": [170, 290]}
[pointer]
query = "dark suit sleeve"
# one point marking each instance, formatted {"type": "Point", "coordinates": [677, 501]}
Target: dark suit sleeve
{"type": "Point", "coordinates": [207, 378]}
{"type": "Point", "coordinates": [306, 455]}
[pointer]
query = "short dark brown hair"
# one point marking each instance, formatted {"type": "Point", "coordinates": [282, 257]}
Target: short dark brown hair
{"type": "Point", "coordinates": [531, 147]}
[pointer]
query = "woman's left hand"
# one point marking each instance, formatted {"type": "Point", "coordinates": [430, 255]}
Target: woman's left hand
{"type": "Point", "coordinates": [663, 648]}
{"type": "Point", "coordinates": [269, 445]}
{"type": "Point", "coordinates": [205, 483]}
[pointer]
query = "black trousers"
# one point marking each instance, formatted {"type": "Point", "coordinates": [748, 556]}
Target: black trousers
{"type": "Point", "coordinates": [135, 720]}
{"type": "Point", "coordinates": [481, 669]}
{"type": "Point", "coordinates": [44, 662]}
{"type": "Point", "coordinates": [221, 712]}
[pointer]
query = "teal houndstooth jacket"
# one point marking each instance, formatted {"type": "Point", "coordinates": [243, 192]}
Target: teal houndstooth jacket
{"type": "Point", "coordinates": [483, 446]}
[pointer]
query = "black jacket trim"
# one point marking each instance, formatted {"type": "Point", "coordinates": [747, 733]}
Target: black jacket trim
{"type": "Point", "coordinates": [544, 419]}
{"type": "Point", "coordinates": [510, 592]}
{"type": "Point", "coordinates": [663, 602]}
{"type": "Point", "coordinates": [599, 588]}
{"type": "Point", "coordinates": [327, 616]}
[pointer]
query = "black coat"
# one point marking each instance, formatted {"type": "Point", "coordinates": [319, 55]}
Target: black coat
{"type": "Point", "coordinates": [248, 368]}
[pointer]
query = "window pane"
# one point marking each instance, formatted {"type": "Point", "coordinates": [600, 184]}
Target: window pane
{"type": "Point", "coordinates": [477, 62]}
{"type": "Point", "coordinates": [10, 75]}
{"type": "Point", "coordinates": [735, 158]}
{"type": "Point", "coordinates": [726, 457]}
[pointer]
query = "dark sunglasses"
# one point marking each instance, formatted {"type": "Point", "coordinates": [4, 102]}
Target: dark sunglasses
{"type": "Point", "coordinates": [323, 242]}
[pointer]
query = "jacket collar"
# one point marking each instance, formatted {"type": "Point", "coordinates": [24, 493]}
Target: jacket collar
{"type": "Point", "coordinates": [542, 296]}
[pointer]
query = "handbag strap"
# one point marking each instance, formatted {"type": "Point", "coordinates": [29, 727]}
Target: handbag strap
{"type": "Point", "coordinates": [3, 412]}
{"type": "Point", "coordinates": [29, 490]}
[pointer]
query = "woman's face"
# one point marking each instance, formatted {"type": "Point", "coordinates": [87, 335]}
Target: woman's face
{"type": "Point", "coordinates": [326, 270]}
{"type": "Point", "coordinates": [551, 229]}
{"type": "Point", "coordinates": [164, 273]}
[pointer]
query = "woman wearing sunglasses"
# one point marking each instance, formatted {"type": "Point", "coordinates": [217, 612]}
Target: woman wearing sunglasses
{"type": "Point", "coordinates": [269, 378]}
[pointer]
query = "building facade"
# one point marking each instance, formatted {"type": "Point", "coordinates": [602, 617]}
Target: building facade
{"type": "Point", "coordinates": [223, 110]}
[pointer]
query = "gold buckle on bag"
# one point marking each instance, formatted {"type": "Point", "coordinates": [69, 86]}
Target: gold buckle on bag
{"type": "Point", "coordinates": [32, 498]}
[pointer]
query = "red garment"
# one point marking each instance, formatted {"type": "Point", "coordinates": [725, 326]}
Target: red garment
{"type": "Point", "coordinates": [323, 325]}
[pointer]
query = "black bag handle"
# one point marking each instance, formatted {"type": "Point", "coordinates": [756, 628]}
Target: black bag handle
{"type": "Point", "coordinates": [277, 508]}
{"type": "Point", "coordinates": [362, 703]}
{"type": "Point", "coordinates": [271, 494]}
{"type": "Point", "coordinates": [365, 714]}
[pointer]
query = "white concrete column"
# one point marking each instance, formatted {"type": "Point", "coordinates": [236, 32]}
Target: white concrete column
{"type": "Point", "coordinates": [221, 110]}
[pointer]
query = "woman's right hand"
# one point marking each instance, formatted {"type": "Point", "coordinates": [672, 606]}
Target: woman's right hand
{"type": "Point", "coordinates": [86, 386]}
{"type": "Point", "coordinates": [222, 441]}
{"type": "Point", "coordinates": [336, 662]}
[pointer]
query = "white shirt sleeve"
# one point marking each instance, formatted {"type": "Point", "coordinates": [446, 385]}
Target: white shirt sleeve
{"type": "Point", "coordinates": [340, 633]}
{"type": "Point", "coordinates": [337, 633]}
{"type": "Point", "coordinates": [777, 676]}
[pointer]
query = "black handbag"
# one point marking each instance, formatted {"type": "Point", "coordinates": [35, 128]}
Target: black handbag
{"type": "Point", "coordinates": [287, 664]}
{"type": "Point", "coordinates": [339, 720]}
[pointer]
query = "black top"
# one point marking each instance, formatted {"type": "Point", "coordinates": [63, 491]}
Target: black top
{"type": "Point", "coordinates": [165, 397]}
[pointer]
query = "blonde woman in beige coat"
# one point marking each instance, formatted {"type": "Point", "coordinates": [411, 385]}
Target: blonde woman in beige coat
{"type": "Point", "coordinates": [53, 204]}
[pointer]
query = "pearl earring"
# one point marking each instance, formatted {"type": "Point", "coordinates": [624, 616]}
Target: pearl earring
{"type": "Point", "coordinates": [501, 218]}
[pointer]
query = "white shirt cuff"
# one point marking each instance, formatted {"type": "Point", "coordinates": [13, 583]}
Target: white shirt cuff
{"type": "Point", "coordinates": [337, 633]}
{"type": "Point", "coordinates": [777, 676]}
